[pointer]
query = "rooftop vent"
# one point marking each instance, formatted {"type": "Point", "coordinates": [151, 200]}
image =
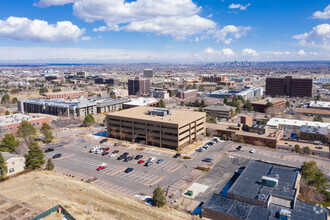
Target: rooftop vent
{"type": "Point", "coordinates": [269, 181]}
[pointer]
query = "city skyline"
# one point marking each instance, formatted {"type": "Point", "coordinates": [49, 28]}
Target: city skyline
{"type": "Point", "coordinates": [78, 31]}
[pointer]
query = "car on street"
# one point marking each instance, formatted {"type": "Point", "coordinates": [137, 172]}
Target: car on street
{"type": "Point", "coordinates": [200, 149]}
{"type": "Point", "coordinates": [115, 151]}
{"type": "Point", "coordinates": [177, 155]}
{"type": "Point", "coordinates": [86, 146]}
{"type": "Point", "coordinates": [103, 141]}
{"type": "Point", "coordinates": [128, 159]}
{"type": "Point", "coordinates": [128, 170]}
{"type": "Point", "coordinates": [102, 166]}
{"type": "Point", "coordinates": [105, 153]}
{"type": "Point", "coordinates": [57, 155]}
{"type": "Point", "coordinates": [160, 161]}
{"type": "Point", "coordinates": [252, 151]}
{"type": "Point", "coordinates": [137, 157]}
{"type": "Point", "coordinates": [117, 144]}
{"type": "Point", "coordinates": [106, 149]}
{"type": "Point", "coordinates": [140, 161]}
{"type": "Point", "coordinates": [208, 160]}
{"type": "Point", "coordinates": [112, 155]}
{"type": "Point", "coordinates": [239, 148]}
{"type": "Point", "coordinates": [49, 150]}
{"type": "Point", "coordinates": [319, 147]}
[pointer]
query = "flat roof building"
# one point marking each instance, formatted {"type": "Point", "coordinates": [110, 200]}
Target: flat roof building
{"type": "Point", "coordinates": [165, 128]}
{"type": "Point", "coordinates": [219, 110]}
{"type": "Point", "coordinates": [67, 95]}
{"type": "Point", "coordinates": [288, 86]}
{"type": "Point", "coordinates": [148, 73]}
{"type": "Point", "coordinates": [187, 94]}
{"type": "Point", "coordinates": [294, 124]}
{"type": "Point", "coordinates": [141, 101]}
{"type": "Point", "coordinates": [312, 112]}
{"type": "Point", "coordinates": [138, 86]}
{"type": "Point", "coordinates": [246, 93]}
{"type": "Point", "coordinates": [261, 105]}
{"type": "Point", "coordinates": [319, 105]}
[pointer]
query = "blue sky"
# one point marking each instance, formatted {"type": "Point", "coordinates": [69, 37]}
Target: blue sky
{"type": "Point", "coordinates": [163, 30]}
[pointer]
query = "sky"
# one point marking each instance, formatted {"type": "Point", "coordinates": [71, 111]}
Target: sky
{"type": "Point", "coordinates": [170, 31]}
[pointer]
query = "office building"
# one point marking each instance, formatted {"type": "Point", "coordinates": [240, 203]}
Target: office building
{"type": "Point", "coordinates": [81, 75]}
{"type": "Point", "coordinates": [187, 94]}
{"type": "Point", "coordinates": [148, 73]}
{"type": "Point", "coordinates": [219, 110]}
{"type": "Point", "coordinates": [67, 95]}
{"type": "Point", "coordinates": [14, 162]}
{"type": "Point", "coordinates": [9, 123]}
{"type": "Point", "coordinates": [322, 105]}
{"type": "Point", "coordinates": [313, 133]}
{"type": "Point", "coordinates": [247, 92]}
{"type": "Point", "coordinates": [141, 101]}
{"type": "Point", "coordinates": [288, 86]}
{"type": "Point", "coordinates": [173, 129]}
{"type": "Point", "coordinates": [261, 105]}
{"type": "Point", "coordinates": [107, 81]}
{"type": "Point", "coordinates": [262, 191]}
{"type": "Point", "coordinates": [159, 93]}
{"type": "Point", "coordinates": [294, 124]}
{"type": "Point", "coordinates": [138, 86]}
{"type": "Point", "coordinates": [214, 78]}
{"type": "Point", "coordinates": [119, 93]}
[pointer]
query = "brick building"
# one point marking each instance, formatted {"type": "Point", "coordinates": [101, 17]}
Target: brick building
{"type": "Point", "coordinates": [261, 105]}
{"type": "Point", "coordinates": [288, 86]}
{"type": "Point", "coordinates": [138, 85]}
{"type": "Point", "coordinates": [187, 94]}
{"type": "Point", "coordinates": [67, 95]}
{"type": "Point", "coordinates": [108, 81]}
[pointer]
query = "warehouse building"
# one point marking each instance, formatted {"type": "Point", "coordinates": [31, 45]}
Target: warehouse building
{"type": "Point", "coordinates": [173, 129]}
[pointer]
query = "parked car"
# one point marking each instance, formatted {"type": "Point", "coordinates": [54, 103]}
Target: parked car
{"type": "Point", "coordinates": [177, 155]}
{"type": "Point", "coordinates": [49, 150]}
{"type": "Point", "coordinates": [252, 151]}
{"type": "Point", "coordinates": [57, 155]}
{"type": "Point", "coordinates": [120, 157]}
{"type": "Point", "coordinates": [160, 161]}
{"type": "Point", "coordinates": [103, 141]}
{"type": "Point", "coordinates": [117, 144]}
{"type": "Point", "coordinates": [200, 149]}
{"type": "Point", "coordinates": [319, 147]}
{"type": "Point", "coordinates": [208, 160]}
{"type": "Point", "coordinates": [112, 155]}
{"type": "Point", "coordinates": [102, 166]}
{"type": "Point", "coordinates": [205, 147]}
{"type": "Point", "coordinates": [94, 149]}
{"type": "Point", "coordinates": [115, 151]}
{"type": "Point", "coordinates": [138, 157]}
{"type": "Point", "coordinates": [239, 148]}
{"type": "Point", "coordinates": [105, 153]}
{"type": "Point", "coordinates": [86, 146]}
{"type": "Point", "coordinates": [128, 170]}
{"type": "Point", "coordinates": [99, 151]}
{"type": "Point", "coordinates": [128, 159]}
{"type": "Point", "coordinates": [140, 161]}
{"type": "Point", "coordinates": [106, 149]}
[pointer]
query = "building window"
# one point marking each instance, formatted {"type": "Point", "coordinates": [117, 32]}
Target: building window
{"type": "Point", "coordinates": [11, 170]}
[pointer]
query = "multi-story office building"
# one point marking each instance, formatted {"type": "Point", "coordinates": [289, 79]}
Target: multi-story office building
{"type": "Point", "coordinates": [165, 128]}
{"type": "Point", "coordinates": [67, 95]}
{"type": "Point", "coordinates": [148, 73]}
{"type": "Point", "coordinates": [138, 85]}
{"type": "Point", "coordinates": [213, 78]}
{"type": "Point", "coordinates": [219, 110]}
{"type": "Point", "coordinates": [108, 81]}
{"type": "Point", "coordinates": [246, 93]}
{"type": "Point", "coordinates": [81, 75]}
{"type": "Point", "coordinates": [289, 87]}
{"type": "Point", "coordinates": [120, 93]}
{"type": "Point", "coordinates": [261, 105]}
{"type": "Point", "coordinates": [187, 94]}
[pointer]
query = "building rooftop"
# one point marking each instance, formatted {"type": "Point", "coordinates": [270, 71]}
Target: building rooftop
{"type": "Point", "coordinates": [63, 92]}
{"type": "Point", "coordinates": [312, 111]}
{"type": "Point", "coordinates": [265, 101]}
{"type": "Point", "coordinates": [249, 183]}
{"type": "Point", "coordinates": [16, 118]}
{"type": "Point", "coordinates": [319, 104]}
{"type": "Point", "coordinates": [292, 122]}
{"type": "Point", "coordinates": [219, 107]}
{"type": "Point", "coordinates": [7, 155]}
{"type": "Point", "coordinates": [180, 117]}
{"type": "Point", "coordinates": [141, 101]}
{"type": "Point", "coordinates": [314, 130]}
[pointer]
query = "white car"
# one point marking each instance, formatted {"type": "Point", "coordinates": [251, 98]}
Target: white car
{"type": "Point", "coordinates": [112, 155]}
{"type": "Point", "coordinates": [99, 151]}
{"type": "Point", "coordinates": [252, 151]}
{"type": "Point", "coordinates": [86, 146]}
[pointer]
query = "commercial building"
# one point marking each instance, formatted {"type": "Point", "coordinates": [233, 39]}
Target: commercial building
{"type": "Point", "coordinates": [148, 73]}
{"type": "Point", "coordinates": [138, 85]}
{"type": "Point", "coordinates": [247, 93]}
{"type": "Point", "coordinates": [262, 191]}
{"type": "Point", "coordinates": [288, 86]}
{"type": "Point", "coordinates": [81, 75]}
{"type": "Point", "coordinates": [120, 93]}
{"type": "Point", "coordinates": [319, 105]}
{"type": "Point", "coordinates": [9, 123]}
{"type": "Point", "coordinates": [312, 112]}
{"type": "Point", "coordinates": [67, 95]}
{"type": "Point", "coordinates": [213, 78]}
{"type": "Point", "coordinates": [187, 94]}
{"type": "Point", "coordinates": [219, 110]}
{"type": "Point", "coordinates": [141, 101]}
{"type": "Point", "coordinates": [311, 133]}
{"type": "Point", "coordinates": [73, 108]}
{"type": "Point", "coordinates": [294, 124]}
{"type": "Point", "coordinates": [14, 162]}
{"type": "Point", "coordinates": [107, 81]}
{"type": "Point", "coordinates": [159, 93]}
{"type": "Point", "coordinates": [261, 105]}
{"type": "Point", "coordinates": [173, 129]}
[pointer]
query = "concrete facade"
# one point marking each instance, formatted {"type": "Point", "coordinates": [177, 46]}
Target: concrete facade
{"type": "Point", "coordinates": [15, 163]}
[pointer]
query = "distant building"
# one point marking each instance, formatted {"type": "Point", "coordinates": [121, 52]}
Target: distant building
{"type": "Point", "coordinates": [319, 105]}
{"type": "Point", "coordinates": [67, 95]}
{"type": "Point", "coordinates": [294, 124]}
{"type": "Point", "coordinates": [219, 110]}
{"type": "Point", "coordinates": [9, 123]}
{"type": "Point", "coordinates": [141, 101]}
{"type": "Point", "coordinates": [173, 129]}
{"type": "Point", "coordinates": [187, 94]}
{"type": "Point", "coordinates": [81, 75]}
{"type": "Point", "coordinates": [14, 162]}
{"type": "Point", "coordinates": [260, 105]}
{"type": "Point", "coordinates": [289, 86]}
{"type": "Point", "coordinates": [107, 81]}
{"type": "Point", "coordinates": [213, 78]}
{"type": "Point", "coordinates": [120, 93]}
{"type": "Point", "coordinates": [247, 93]}
{"type": "Point", "coordinates": [138, 85]}
{"type": "Point", "coordinates": [312, 112]}
{"type": "Point", "coordinates": [159, 93]}
{"type": "Point", "coordinates": [148, 73]}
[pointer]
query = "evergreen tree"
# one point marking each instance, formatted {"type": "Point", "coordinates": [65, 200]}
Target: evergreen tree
{"type": "Point", "coordinates": [314, 175]}
{"type": "Point", "coordinates": [318, 118]}
{"type": "Point", "coordinates": [46, 130]}
{"type": "Point", "coordinates": [307, 150]}
{"type": "Point", "coordinates": [7, 113]}
{"type": "Point", "coordinates": [43, 90]}
{"type": "Point", "coordinates": [203, 103]}
{"type": "Point", "coordinates": [14, 100]}
{"type": "Point", "coordinates": [235, 98]}
{"type": "Point", "coordinates": [35, 157]}
{"type": "Point", "coordinates": [238, 110]}
{"type": "Point", "coordinates": [161, 104]}
{"type": "Point", "coordinates": [9, 143]}
{"type": "Point", "coordinates": [89, 120]}
{"type": "Point", "coordinates": [287, 104]}
{"type": "Point", "coordinates": [211, 119]}
{"type": "Point", "coordinates": [297, 148]}
{"type": "Point", "coordinates": [232, 113]}
{"type": "Point", "coordinates": [26, 131]}
{"type": "Point", "coordinates": [225, 101]}
{"type": "Point", "coordinates": [269, 105]}
{"type": "Point", "coordinates": [50, 164]}
{"type": "Point", "coordinates": [5, 99]}
{"type": "Point", "coordinates": [158, 197]}
{"type": "Point", "coordinates": [3, 167]}
{"type": "Point", "coordinates": [196, 104]}
{"type": "Point", "coordinates": [248, 106]}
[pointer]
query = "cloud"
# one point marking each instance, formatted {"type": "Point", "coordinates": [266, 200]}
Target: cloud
{"type": "Point", "coordinates": [48, 3]}
{"type": "Point", "coordinates": [227, 52]}
{"type": "Point", "coordinates": [249, 52]}
{"type": "Point", "coordinates": [317, 37]}
{"type": "Point", "coordinates": [17, 28]}
{"type": "Point", "coordinates": [301, 52]}
{"type": "Point", "coordinates": [228, 33]}
{"type": "Point", "coordinates": [86, 38]}
{"type": "Point", "coordinates": [322, 14]}
{"type": "Point", "coordinates": [279, 53]}
{"type": "Point", "coordinates": [212, 53]}
{"type": "Point", "coordinates": [239, 6]}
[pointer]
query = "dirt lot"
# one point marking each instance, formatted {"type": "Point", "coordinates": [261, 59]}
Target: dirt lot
{"type": "Point", "coordinates": [43, 190]}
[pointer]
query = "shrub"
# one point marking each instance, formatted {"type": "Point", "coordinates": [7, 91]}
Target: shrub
{"type": "Point", "coordinates": [186, 157]}
{"type": "Point", "coordinates": [204, 169]}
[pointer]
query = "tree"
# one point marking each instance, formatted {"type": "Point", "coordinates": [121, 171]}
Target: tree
{"type": "Point", "coordinates": [287, 104]}
{"type": "Point", "coordinates": [307, 150]}
{"type": "Point", "coordinates": [35, 157]}
{"type": "Point", "coordinates": [46, 130]}
{"type": "Point", "coordinates": [196, 104]}
{"type": "Point", "coordinates": [203, 103]}
{"type": "Point", "coordinates": [248, 106]}
{"type": "Point", "coordinates": [161, 104]}
{"type": "Point", "coordinates": [89, 120]}
{"type": "Point", "coordinates": [7, 113]}
{"type": "Point", "coordinates": [5, 99]}
{"type": "Point", "coordinates": [211, 119]}
{"type": "Point", "coordinates": [43, 90]}
{"type": "Point", "coordinates": [235, 99]}
{"type": "Point", "coordinates": [269, 105]}
{"type": "Point", "coordinates": [50, 164]}
{"type": "Point", "coordinates": [225, 101]}
{"type": "Point", "coordinates": [318, 97]}
{"type": "Point", "coordinates": [26, 131]}
{"type": "Point", "coordinates": [318, 118]}
{"type": "Point", "coordinates": [158, 197]}
{"type": "Point", "coordinates": [232, 113]}
{"type": "Point", "coordinates": [3, 167]}
{"type": "Point", "coordinates": [297, 148]}
{"type": "Point", "coordinates": [238, 110]}
{"type": "Point", "coordinates": [14, 100]}
{"type": "Point", "coordinates": [9, 143]}
{"type": "Point", "coordinates": [313, 175]}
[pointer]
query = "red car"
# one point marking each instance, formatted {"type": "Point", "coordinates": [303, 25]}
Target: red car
{"type": "Point", "coordinates": [102, 167]}
{"type": "Point", "coordinates": [105, 153]}
{"type": "Point", "coordinates": [141, 161]}
{"type": "Point", "coordinates": [106, 149]}
{"type": "Point", "coordinates": [115, 151]}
